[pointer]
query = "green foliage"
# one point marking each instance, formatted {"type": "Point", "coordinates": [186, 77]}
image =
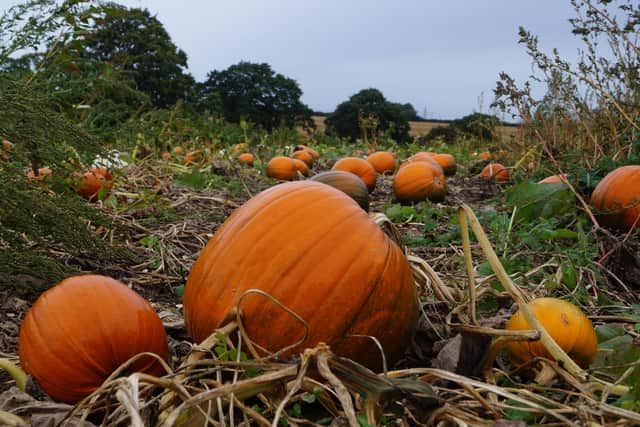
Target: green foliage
{"type": "Point", "coordinates": [591, 106]}
{"type": "Point", "coordinates": [539, 200]}
{"type": "Point", "coordinates": [477, 125]}
{"type": "Point", "coordinates": [256, 93]}
{"type": "Point", "coordinates": [137, 45]}
{"type": "Point", "coordinates": [618, 356]}
{"type": "Point", "coordinates": [33, 219]}
{"type": "Point", "coordinates": [392, 117]}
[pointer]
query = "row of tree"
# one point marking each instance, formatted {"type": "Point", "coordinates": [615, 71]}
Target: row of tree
{"type": "Point", "coordinates": [123, 61]}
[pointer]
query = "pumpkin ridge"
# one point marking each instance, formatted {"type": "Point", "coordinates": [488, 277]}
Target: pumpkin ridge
{"type": "Point", "coordinates": [334, 289]}
{"type": "Point", "coordinates": [61, 366]}
{"type": "Point", "coordinates": [284, 291]}
{"type": "Point", "coordinates": [213, 249]}
{"type": "Point", "coordinates": [238, 274]}
{"type": "Point", "coordinates": [349, 328]}
{"type": "Point", "coordinates": [88, 360]}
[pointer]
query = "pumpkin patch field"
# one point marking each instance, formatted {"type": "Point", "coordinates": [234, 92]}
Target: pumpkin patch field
{"type": "Point", "coordinates": [363, 294]}
{"type": "Point", "coordinates": [180, 253]}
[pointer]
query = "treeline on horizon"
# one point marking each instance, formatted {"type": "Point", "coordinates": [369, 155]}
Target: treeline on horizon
{"type": "Point", "coordinates": [117, 63]}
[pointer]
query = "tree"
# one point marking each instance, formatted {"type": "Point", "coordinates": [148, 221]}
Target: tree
{"type": "Point", "coordinates": [476, 125]}
{"type": "Point", "coordinates": [134, 42]}
{"type": "Point", "coordinates": [256, 93]}
{"type": "Point", "coordinates": [392, 117]}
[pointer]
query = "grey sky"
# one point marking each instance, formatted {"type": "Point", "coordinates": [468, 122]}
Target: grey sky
{"type": "Point", "coordinates": [439, 55]}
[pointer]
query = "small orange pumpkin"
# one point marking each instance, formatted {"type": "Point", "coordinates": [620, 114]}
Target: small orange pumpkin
{"type": "Point", "coordinates": [382, 161]}
{"type": "Point", "coordinates": [313, 152]}
{"type": "Point", "coordinates": [178, 150]}
{"type": "Point", "coordinates": [6, 144]}
{"type": "Point", "coordinates": [190, 158]}
{"type": "Point", "coordinates": [78, 332]}
{"type": "Point", "coordinates": [570, 328]}
{"type": "Point", "coordinates": [282, 168]}
{"type": "Point", "coordinates": [553, 179]}
{"type": "Point", "coordinates": [419, 181]}
{"type": "Point", "coordinates": [43, 173]}
{"type": "Point", "coordinates": [496, 172]}
{"type": "Point", "coordinates": [485, 155]}
{"type": "Point", "coordinates": [301, 167]}
{"type": "Point", "coordinates": [246, 159]}
{"type": "Point", "coordinates": [166, 155]}
{"type": "Point", "coordinates": [238, 148]}
{"type": "Point", "coordinates": [305, 156]}
{"type": "Point", "coordinates": [327, 261]}
{"type": "Point", "coordinates": [92, 181]}
{"type": "Point", "coordinates": [360, 167]}
{"type": "Point", "coordinates": [446, 161]}
{"type": "Point", "coordinates": [347, 182]}
{"type": "Point", "coordinates": [617, 198]}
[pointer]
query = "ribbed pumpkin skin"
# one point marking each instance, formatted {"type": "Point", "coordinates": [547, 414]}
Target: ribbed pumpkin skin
{"type": "Point", "coordinates": [419, 181]}
{"type": "Point", "coordinates": [383, 161]}
{"type": "Point", "coordinates": [302, 167]}
{"type": "Point", "coordinates": [425, 156]}
{"type": "Point", "coordinates": [347, 182]}
{"type": "Point", "coordinates": [314, 249]}
{"type": "Point", "coordinates": [282, 168]}
{"type": "Point", "coordinates": [496, 172]}
{"type": "Point", "coordinates": [360, 167]}
{"type": "Point", "coordinates": [617, 198]}
{"type": "Point", "coordinates": [78, 332]}
{"type": "Point", "coordinates": [313, 152]}
{"type": "Point", "coordinates": [305, 156]}
{"type": "Point", "coordinates": [567, 325]}
{"type": "Point", "coordinates": [246, 159]}
{"type": "Point", "coordinates": [447, 162]}
{"type": "Point", "coordinates": [553, 179]}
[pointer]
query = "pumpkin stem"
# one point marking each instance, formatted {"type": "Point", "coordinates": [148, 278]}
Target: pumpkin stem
{"type": "Point", "coordinates": [18, 375]}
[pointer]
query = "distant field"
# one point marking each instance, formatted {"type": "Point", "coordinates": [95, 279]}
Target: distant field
{"type": "Point", "coordinates": [421, 128]}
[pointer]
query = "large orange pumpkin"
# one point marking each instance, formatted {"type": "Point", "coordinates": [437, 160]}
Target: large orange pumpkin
{"type": "Point", "coordinates": [383, 161]}
{"type": "Point", "coordinates": [495, 172]}
{"type": "Point", "coordinates": [347, 182]}
{"type": "Point", "coordinates": [567, 325]}
{"type": "Point", "coordinates": [425, 156]}
{"type": "Point", "coordinates": [94, 180]}
{"type": "Point", "coordinates": [617, 198]}
{"type": "Point", "coordinates": [446, 161]}
{"type": "Point", "coordinates": [316, 251]}
{"type": "Point", "coordinates": [78, 332]}
{"type": "Point", "coordinates": [305, 156]}
{"type": "Point", "coordinates": [417, 181]}
{"type": "Point", "coordinates": [360, 167]}
{"type": "Point", "coordinates": [282, 168]}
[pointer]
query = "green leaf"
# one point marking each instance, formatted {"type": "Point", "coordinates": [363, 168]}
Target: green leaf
{"type": "Point", "coordinates": [569, 275]}
{"type": "Point", "coordinates": [539, 200]}
{"type": "Point", "coordinates": [194, 179]}
{"type": "Point", "coordinates": [179, 291]}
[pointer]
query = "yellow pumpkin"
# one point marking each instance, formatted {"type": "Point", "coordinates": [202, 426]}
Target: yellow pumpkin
{"type": "Point", "coordinates": [567, 325]}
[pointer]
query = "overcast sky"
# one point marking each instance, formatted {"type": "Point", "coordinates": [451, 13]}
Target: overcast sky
{"type": "Point", "coordinates": [442, 56]}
